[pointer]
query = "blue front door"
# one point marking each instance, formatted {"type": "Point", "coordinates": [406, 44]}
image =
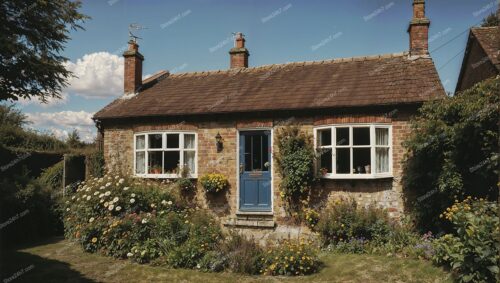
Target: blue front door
{"type": "Point", "coordinates": [255, 171]}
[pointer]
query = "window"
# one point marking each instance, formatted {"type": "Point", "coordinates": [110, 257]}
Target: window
{"type": "Point", "coordinates": [354, 151]}
{"type": "Point", "coordinates": [160, 154]}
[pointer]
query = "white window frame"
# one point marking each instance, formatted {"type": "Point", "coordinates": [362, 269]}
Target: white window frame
{"type": "Point", "coordinates": [351, 175]}
{"type": "Point", "coordinates": [164, 148]}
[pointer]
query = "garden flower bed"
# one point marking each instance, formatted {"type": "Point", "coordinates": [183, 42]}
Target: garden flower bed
{"type": "Point", "coordinates": [149, 222]}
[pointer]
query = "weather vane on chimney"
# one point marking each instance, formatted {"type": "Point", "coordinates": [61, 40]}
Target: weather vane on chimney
{"type": "Point", "coordinates": [134, 26]}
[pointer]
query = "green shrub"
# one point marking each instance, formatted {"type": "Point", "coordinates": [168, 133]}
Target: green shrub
{"type": "Point", "coordinates": [453, 152]}
{"type": "Point", "coordinates": [94, 162]}
{"type": "Point", "coordinates": [290, 258]}
{"type": "Point", "coordinates": [213, 183]}
{"type": "Point", "coordinates": [29, 208]}
{"type": "Point", "coordinates": [472, 250]}
{"type": "Point", "coordinates": [294, 162]}
{"type": "Point", "coordinates": [52, 176]}
{"type": "Point", "coordinates": [242, 255]}
{"type": "Point", "coordinates": [343, 220]}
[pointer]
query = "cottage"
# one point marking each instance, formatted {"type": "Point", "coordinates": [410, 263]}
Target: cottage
{"type": "Point", "coordinates": [481, 58]}
{"type": "Point", "coordinates": [357, 109]}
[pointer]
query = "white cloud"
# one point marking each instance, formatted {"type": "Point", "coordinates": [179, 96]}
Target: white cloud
{"type": "Point", "coordinates": [63, 122]}
{"type": "Point", "coordinates": [97, 75]}
{"type": "Point", "coordinates": [50, 101]}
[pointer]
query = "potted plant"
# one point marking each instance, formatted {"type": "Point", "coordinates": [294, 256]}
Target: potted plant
{"type": "Point", "coordinates": [155, 169]}
{"type": "Point", "coordinates": [213, 183]}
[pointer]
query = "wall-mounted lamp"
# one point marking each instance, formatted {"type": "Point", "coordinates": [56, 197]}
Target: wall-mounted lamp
{"type": "Point", "coordinates": [218, 142]}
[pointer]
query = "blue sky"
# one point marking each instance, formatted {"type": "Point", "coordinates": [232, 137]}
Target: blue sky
{"type": "Point", "coordinates": [194, 35]}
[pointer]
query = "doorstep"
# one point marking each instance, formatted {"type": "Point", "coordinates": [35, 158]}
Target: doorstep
{"type": "Point", "coordinates": [255, 220]}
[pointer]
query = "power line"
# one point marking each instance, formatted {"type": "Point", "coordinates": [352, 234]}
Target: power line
{"type": "Point", "coordinates": [455, 37]}
{"type": "Point", "coordinates": [451, 59]}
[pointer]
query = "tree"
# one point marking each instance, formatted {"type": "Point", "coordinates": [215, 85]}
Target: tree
{"type": "Point", "coordinates": [490, 21]}
{"type": "Point", "coordinates": [453, 153]}
{"type": "Point", "coordinates": [32, 36]}
{"type": "Point", "coordinates": [73, 140]}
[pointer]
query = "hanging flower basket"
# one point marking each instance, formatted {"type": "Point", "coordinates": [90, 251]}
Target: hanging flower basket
{"type": "Point", "coordinates": [214, 183]}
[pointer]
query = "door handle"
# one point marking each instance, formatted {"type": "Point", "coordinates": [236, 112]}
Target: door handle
{"type": "Point", "coordinates": [241, 168]}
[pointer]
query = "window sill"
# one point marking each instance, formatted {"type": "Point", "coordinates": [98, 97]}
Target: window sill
{"type": "Point", "coordinates": [356, 177]}
{"type": "Point", "coordinates": [163, 176]}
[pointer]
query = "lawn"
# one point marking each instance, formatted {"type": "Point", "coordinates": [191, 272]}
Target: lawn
{"type": "Point", "coordinates": [62, 261]}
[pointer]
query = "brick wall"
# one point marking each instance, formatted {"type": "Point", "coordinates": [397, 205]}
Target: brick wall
{"type": "Point", "coordinates": [118, 151]}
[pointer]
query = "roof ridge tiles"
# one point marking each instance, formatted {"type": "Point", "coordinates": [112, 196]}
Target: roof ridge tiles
{"type": "Point", "coordinates": [292, 64]}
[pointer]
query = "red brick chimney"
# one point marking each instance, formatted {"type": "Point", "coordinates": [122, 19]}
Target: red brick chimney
{"type": "Point", "coordinates": [132, 79]}
{"type": "Point", "coordinates": [419, 30]}
{"type": "Point", "coordinates": [239, 54]}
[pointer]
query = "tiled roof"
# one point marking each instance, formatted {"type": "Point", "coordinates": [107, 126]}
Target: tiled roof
{"type": "Point", "coordinates": [488, 38]}
{"type": "Point", "coordinates": [348, 82]}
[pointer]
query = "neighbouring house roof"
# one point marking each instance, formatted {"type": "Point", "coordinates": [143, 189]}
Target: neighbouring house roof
{"type": "Point", "coordinates": [339, 83]}
{"type": "Point", "coordinates": [488, 38]}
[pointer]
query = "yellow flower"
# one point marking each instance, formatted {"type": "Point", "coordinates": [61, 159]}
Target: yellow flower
{"type": "Point", "coordinates": [94, 240]}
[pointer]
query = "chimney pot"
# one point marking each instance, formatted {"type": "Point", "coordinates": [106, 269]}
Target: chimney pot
{"type": "Point", "coordinates": [132, 79]}
{"type": "Point", "coordinates": [239, 54]}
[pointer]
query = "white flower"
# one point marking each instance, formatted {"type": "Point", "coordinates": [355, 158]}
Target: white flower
{"type": "Point", "coordinates": [121, 180]}
{"type": "Point", "coordinates": [163, 202]}
{"type": "Point", "coordinates": [118, 208]}
{"type": "Point", "coordinates": [87, 189]}
{"type": "Point", "coordinates": [198, 266]}
{"type": "Point", "coordinates": [91, 219]}
{"type": "Point", "coordinates": [169, 202]}
{"type": "Point", "coordinates": [77, 199]}
{"type": "Point", "coordinates": [129, 254]}
{"type": "Point", "coordinates": [107, 193]}
{"type": "Point", "coordinates": [153, 205]}
{"type": "Point", "coordinates": [126, 188]}
{"type": "Point", "coordinates": [84, 196]}
{"type": "Point", "coordinates": [132, 195]}
{"type": "Point", "coordinates": [73, 197]}
{"type": "Point", "coordinates": [108, 184]}
{"type": "Point", "coordinates": [95, 179]}
{"type": "Point", "coordinates": [106, 204]}
{"type": "Point", "coordinates": [116, 177]}
{"type": "Point", "coordinates": [132, 200]}
{"type": "Point", "coordinates": [96, 193]}
{"type": "Point", "coordinates": [116, 199]}
{"type": "Point", "coordinates": [102, 188]}
{"type": "Point", "coordinates": [144, 221]}
{"type": "Point", "coordinates": [143, 253]}
{"type": "Point", "coordinates": [67, 201]}
{"type": "Point", "coordinates": [101, 201]}
{"type": "Point", "coordinates": [89, 197]}
{"type": "Point", "coordinates": [67, 209]}
{"type": "Point", "coordinates": [101, 195]}
{"type": "Point", "coordinates": [110, 207]}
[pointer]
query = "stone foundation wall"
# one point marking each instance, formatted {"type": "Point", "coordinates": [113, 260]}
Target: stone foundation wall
{"type": "Point", "coordinates": [387, 193]}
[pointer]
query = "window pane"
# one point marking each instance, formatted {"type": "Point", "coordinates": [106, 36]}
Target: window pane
{"type": "Point", "coordinates": [343, 160]}
{"type": "Point", "coordinates": [154, 162]}
{"type": "Point", "coordinates": [361, 159]}
{"type": "Point", "coordinates": [140, 162]}
{"type": "Point", "coordinates": [172, 140]}
{"type": "Point", "coordinates": [189, 161]}
{"type": "Point", "coordinates": [265, 152]}
{"type": "Point", "coordinates": [189, 141]}
{"type": "Point", "coordinates": [342, 136]}
{"type": "Point", "coordinates": [361, 136]}
{"type": "Point", "coordinates": [171, 161]}
{"type": "Point", "coordinates": [382, 136]}
{"type": "Point", "coordinates": [325, 137]}
{"type": "Point", "coordinates": [325, 160]}
{"type": "Point", "coordinates": [140, 142]}
{"type": "Point", "coordinates": [257, 163]}
{"type": "Point", "coordinates": [382, 160]}
{"type": "Point", "coordinates": [155, 140]}
{"type": "Point", "coordinates": [248, 153]}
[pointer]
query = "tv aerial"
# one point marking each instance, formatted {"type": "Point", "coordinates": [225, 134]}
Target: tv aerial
{"type": "Point", "coordinates": [134, 27]}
